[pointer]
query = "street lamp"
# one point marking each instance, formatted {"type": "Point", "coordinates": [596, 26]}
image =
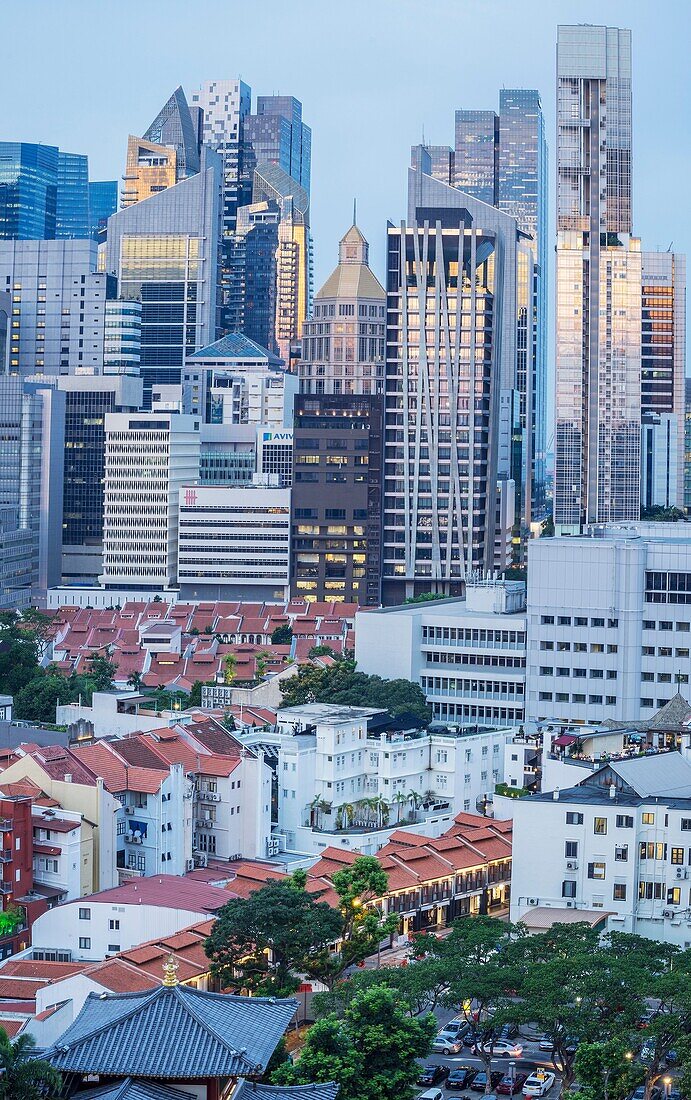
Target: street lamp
{"type": "Point", "coordinates": [667, 1081]}
{"type": "Point", "coordinates": [629, 1056]}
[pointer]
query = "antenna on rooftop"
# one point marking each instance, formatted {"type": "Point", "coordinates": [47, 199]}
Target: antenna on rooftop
{"type": "Point", "coordinates": [354, 211]}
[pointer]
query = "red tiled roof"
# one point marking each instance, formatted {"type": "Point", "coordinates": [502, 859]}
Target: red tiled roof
{"type": "Point", "coordinates": [176, 892]}
{"type": "Point", "coordinates": [12, 1027]}
{"type": "Point", "coordinates": [39, 969]}
{"type": "Point", "coordinates": [20, 989]}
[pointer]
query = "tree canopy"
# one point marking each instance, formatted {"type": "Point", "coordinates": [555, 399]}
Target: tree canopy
{"type": "Point", "coordinates": [372, 1050]}
{"type": "Point", "coordinates": [282, 635]}
{"type": "Point", "coordinates": [343, 683]}
{"type": "Point", "coordinates": [22, 1076]}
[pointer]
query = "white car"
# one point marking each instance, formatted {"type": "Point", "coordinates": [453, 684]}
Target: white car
{"type": "Point", "coordinates": [444, 1044]}
{"type": "Point", "coordinates": [546, 1043]}
{"type": "Point", "coordinates": [539, 1083]}
{"type": "Point", "coordinates": [431, 1094]}
{"type": "Point", "coordinates": [506, 1047]}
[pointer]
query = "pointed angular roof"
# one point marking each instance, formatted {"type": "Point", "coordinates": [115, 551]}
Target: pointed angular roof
{"type": "Point", "coordinates": [236, 346]}
{"type": "Point", "coordinates": [172, 1032]}
{"type": "Point", "coordinates": [353, 277]}
{"type": "Point", "coordinates": [173, 125]}
{"type": "Point", "coordinates": [134, 1090]}
{"type": "Point", "coordinates": [671, 715]}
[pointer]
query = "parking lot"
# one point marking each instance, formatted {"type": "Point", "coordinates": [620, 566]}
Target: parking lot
{"type": "Point", "coordinates": [528, 1038]}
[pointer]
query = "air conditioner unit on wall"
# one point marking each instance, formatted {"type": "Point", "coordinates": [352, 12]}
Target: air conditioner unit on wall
{"type": "Point", "coordinates": [572, 865]}
{"type": "Point", "coordinates": [532, 901]}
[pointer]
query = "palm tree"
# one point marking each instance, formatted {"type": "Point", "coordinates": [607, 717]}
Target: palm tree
{"type": "Point", "coordinates": [229, 665]}
{"type": "Point", "coordinates": [415, 799]}
{"type": "Point", "coordinates": [135, 681]}
{"type": "Point", "coordinates": [318, 806]}
{"type": "Point", "coordinates": [428, 797]}
{"type": "Point", "coordinates": [23, 1077]}
{"type": "Point", "coordinates": [400, 800]}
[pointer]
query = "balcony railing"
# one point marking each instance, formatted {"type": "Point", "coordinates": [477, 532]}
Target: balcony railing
{"type": "Point", "coordinates": [6, 824]}
{"type": "Point", "coordinates": [6, 856]}
{"type": "Point", "coordinates": [5, 887]}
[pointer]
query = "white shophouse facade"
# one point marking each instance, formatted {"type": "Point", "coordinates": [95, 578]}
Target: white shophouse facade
{"type": "Point", "coordinates": [327, 754]}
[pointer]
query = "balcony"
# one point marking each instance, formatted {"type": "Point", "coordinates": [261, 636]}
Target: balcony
{"type": "Point", "coordinates": [6, 856]}
{"type": "Point", "coordinates": [5, 887]}
{"type": "Point", "coordinates": [6, 824]}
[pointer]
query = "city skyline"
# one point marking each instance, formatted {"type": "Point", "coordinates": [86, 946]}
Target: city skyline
{"type": "Point", "coordinates": [340, 113]}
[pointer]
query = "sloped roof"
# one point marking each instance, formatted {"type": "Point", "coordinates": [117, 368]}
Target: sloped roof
{"type": "Point", "coordinates": [248, 1090]}
{"type": "Point", "coordinates": [666, 774]}
{"type": "Point", "coordinates": [671, 715]}
{"type": "Point", "coordinates": [130, 1089]}
{"type": "Point", "coordinates": [352, 281]}
{"type": "Point", "coordinates": [172, 1032]}
{"type": "Point", "coordinates": [236, 346]}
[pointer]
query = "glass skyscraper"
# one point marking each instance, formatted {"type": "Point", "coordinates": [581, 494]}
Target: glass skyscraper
{"type": "Point", "coordinates": [599, 285]}
{"type": "Point", "coordinates": [103, 201]}
{"type": "Point", "coordinates": [477, 154]}
{"type": "Point", "coordinates": [28, 191]}
{"type": "Point", "coordinates": [165, 252]}
{"type": "Point", "coordinates": [72, 206]}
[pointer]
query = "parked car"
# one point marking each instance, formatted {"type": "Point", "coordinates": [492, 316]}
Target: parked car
{"type": "Point", "coordinates": [509, 1031]}
{"type": "Point", "coordinates": [546, 1043]}
{"type": "Point", "coordinates": [509, 1086]}
{"type": "Point", "coordinates": [447, 1044]}
{"type": "Point", "coordinates": [429, 1075]}
{"type": "Point", "coordinates": [507, 1048]}
{"type": "Point", "coordinates": [431, 1094]}
{"type": "Point", "coordinates": [473, 1036]}
{"type": "Point", "coordinates": [639, 1093]}
{"type": "Point", "coordinates": [455, 1029]}
{"type": "Point", "coordinates": [539, 1083]}
{"type": "Point", "coordinates": [479, 1082]}
{"type": "Point", "coordinates": [460, 1077]}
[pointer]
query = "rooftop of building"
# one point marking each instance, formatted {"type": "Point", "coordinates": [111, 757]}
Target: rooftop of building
{"type": "Point", "coordinates": [236, 346]}
{"type": "Point", "coordinates": [330, 714]}
{"type": "Point", "coordinates": [172, 1032]}
{"type": "Point", "coordinates": [663, 776]}
{"type": "Point", "coordinates": [166, 891]}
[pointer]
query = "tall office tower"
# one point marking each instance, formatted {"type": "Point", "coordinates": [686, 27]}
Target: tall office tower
{"type": "Point", "coordinates": [337, 436]}
{"type": "Point", "coordinates": [5, 316]}
{"type": "Point", "coordinates": [456, 265]}
{"type": "Point", "coordinates": [476, 158]}
{"type": "Point", "coordinates": [522, 190]}
{"type": "Point", "coordinates": [88, 400]}
{"type": "Point", "coordinates": [663, 366]}
{"type": "Point", "coordinates": [58, 306]}
{"type": "Point", "coordinates": [28, 191]}
{"type": "Point", "coordinates": [31, 450]}
{"type": "Point", "coordinates": [442, 161]}
{"type": "Point", "coordinates": [103, 201]}
{"type": "Point", "coordinates": [277, 135]}
{"type": "Point", "coordinates": [165, 252]}
{"type": "Point", "coordinates": [149, 457]}
{"type": "Point", "coordinates": [687, 448]}
{"type": "Point", "coordinates": [122, 339]}
{"type": "Point", "coordinates": [290, 202]}
{"type": "Point", "coordinates": [167, 152]}
{"type": "Point", "coordinates": [251, 273]}
{"type": "Point", "coordinates": [72, 204]}
{"type": "Point", "coordinates": [225, 104]}
{"type": "Point", "coordinates": [599, 280]}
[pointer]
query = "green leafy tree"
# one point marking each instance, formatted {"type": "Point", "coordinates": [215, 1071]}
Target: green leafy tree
{"type": "Point", "coordinates": [101, 673]}
{"type": "Point", "coordinates": [195, 695]}
{"type": "Point", "coordinates": [11, 920]}
{"type": "Point", "coordinates": [362, 927]}
{"type": "Point", "coordinates": [282, 635]}
{"type": "Point", "coordinates": [260, 942]}
{"type": "Point", "coordinates": [135, 681]}
{"type": "Point", "coordinates": [426, 597]}
{"type": "Point", "coordinates": [605, 1071]}
{"type": "Point", "coordinates": [342, 683]}
{"type": "Point", "coordinates": [321, 651]}
{"type": "Point", "coordinates": [419, 988]}
{"type": "Point", "coordinates": [19, 653]}
{"type": "Point", "coordinates": [36, 702]}
{"type": "Point", "coordinates": [230, 662]}
{"type": "Point", "coordinates": [371, 1051]}
{"type": "Point", "coordinates": [22, 1076]}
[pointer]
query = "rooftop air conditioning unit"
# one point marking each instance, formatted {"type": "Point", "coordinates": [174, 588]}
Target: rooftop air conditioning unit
{"type": "Point", "coordinates": [189, 864]}
{"type": "Point", "coordinates": [572, 865]}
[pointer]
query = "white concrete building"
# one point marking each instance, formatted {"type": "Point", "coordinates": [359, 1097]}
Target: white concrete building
{"type": "Point", "coordinates": [609, 622]}
{"type": "Point", "coordinates": [149, 456]}
{"type": "Point", "coordinates": [468, 655]}
{"type": "Point", "coordinates": [114, 920]}
{"type": "Point", "coordinates": [237, 381]}
{"type": "Point", "coordinates": [617, 843]}
{"type": "Point", "coordinates": [233, 543]}
{"type": "Point", "coordinates": [345, 778]}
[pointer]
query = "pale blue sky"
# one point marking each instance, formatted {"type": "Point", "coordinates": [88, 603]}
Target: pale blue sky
{"type": "Point", "coordinates": [82, 74]}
